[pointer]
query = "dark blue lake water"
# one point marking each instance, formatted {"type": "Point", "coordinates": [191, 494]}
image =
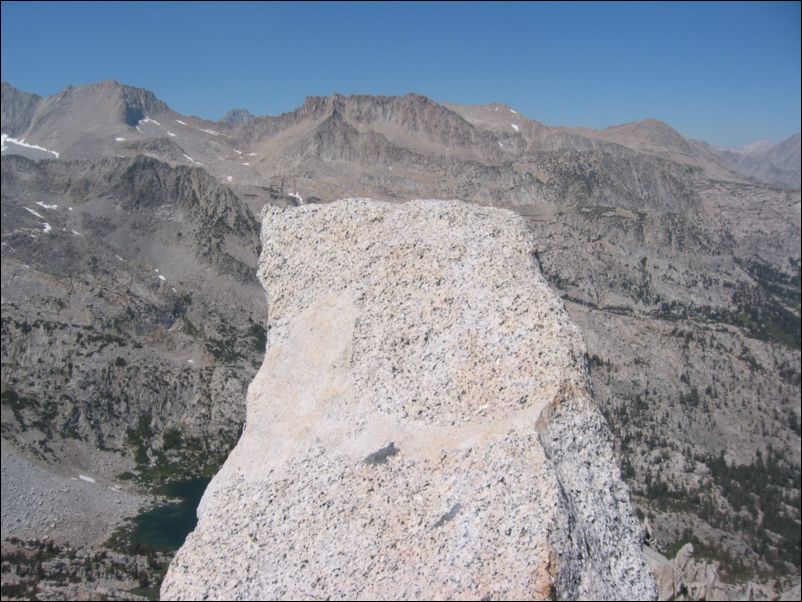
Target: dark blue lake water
{"type": "Point", "coordinates": [166, 527]}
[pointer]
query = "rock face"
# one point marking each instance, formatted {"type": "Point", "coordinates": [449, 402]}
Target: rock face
{"type": "Point", "coordinates": [684, 578]}
{"type": "Point", "coordinates": [171, 350]}
{"type": "Point", "coordinates": [421, 427]}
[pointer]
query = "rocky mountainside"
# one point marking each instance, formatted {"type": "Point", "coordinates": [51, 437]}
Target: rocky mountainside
{"type": "Point", "coordinates": [655, 137]}
{"type": "Point", "coordinates": [18, 109]}
{"type": "Point", "coordinates": [684, 277]}
{"type": "Point", "coordinates": [421, 426]}
{"type": "Point", "coordinates": [131, 326]}
{"type": "Point", "coordinates": [779, 164]}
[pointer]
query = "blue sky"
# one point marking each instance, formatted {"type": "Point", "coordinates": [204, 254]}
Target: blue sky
{"type": "Point", "coordinates": [726, 73]}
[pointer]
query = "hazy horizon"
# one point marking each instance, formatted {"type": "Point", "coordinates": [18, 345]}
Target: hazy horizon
{"type": "Point", "coordinates": [728, 74]}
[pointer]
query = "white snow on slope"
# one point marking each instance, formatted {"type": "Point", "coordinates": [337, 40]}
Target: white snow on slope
{"type": "Point", "coordinates": [6, 138]}
{"type": "Point", "coordinates": [119, 139]}
{"type": "Point", "coordinates": [212, 132]}
{"type": "Point", "coordinates": [149, 120]}
{"type": "Point", "coordinates": [297, 196]}
{"type": "Point", "coordinates": [39, 215]}
{"type": "Point", "coordinates": [169, 133]}
{"type": "Point", "coordinates": [193, 160]}
{"type": "Point", "coordinates": [239, 152]}
{"type": "Point", "coordinates": [511, 111]}
{"type": "Point", "coordinates": [46, 227]}
{"type": "Point", "coordinates": [162, 277]}
{"type": "Point", "coordinates": [86, 478]}
{"type": "Point", "coordinates": [247, 164]}
{"type": "Point", "coordinates": [251, 154]}
{"type": "Point", "coordinates": [229, 179]}
{"type": "Point", "coordinates": [181, 122]}
{"type": "Point", "coordinates": [46, 206]}
{"type": "Point", "coordinates": [515, 127]}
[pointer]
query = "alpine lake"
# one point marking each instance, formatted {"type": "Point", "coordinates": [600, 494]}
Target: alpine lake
{"type": "Point", "coordinates": [166, 527]}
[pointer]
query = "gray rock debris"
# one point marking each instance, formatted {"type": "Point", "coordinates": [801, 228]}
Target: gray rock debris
{"type": "Point", "coordinates": [421, 426]}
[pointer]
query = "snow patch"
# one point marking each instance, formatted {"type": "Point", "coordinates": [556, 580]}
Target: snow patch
{"type": "Point", "coordinates": [500, 145]}
{"type": "Point", "coordinates": [118, 257]}
{"type": "Point", "coordinates": [39, 215]}
{"type": "Point", "coordinates": [46, 206]}
{"type": "Point", "coordinates": [77, 233]}
{"type": "Point", "coordinates": [83, 477]}
{"type": "Point", "coordinates": [239, 152]}
{"type": "Point", "coordinates": [247, 164]}
{"type": "Point", "coordinates": [46, 227]}
{"type": "Point", "coordinates": [162, 277]}
{"type": "Point", "coordinates": [6, 138]}
{"type": "Point", "coordinates": [515, 127]}
{"type": "Point", "coordinates": [149, 120]}
{"type": "Point", "coordinates": [193, 160]}
{"type": "Point", "coordinates": [139, 130]}
{"type": "Point", "coordinates": [251, 154]}
{"type": "Point", "coordinates": [118, 139]}
{"type": "Point", "coordinates": [169, 133]}
{"type": "Point", "coordinates": [511, 111]}
{"type": "Point", "coordinates": [179, 121]}
{"type": "Point", "coordinates": [212, 132]}
{"type": "Point", "coordinates": [191, 361]}
{"type": "Point", "coordinates": [229, 179]}
{"type": "Point", "coordinates": [297, 196]}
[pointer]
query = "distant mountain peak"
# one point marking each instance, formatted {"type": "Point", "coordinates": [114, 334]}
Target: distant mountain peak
{"type": "Point", "coordinates": [237, 117]}
{"type": "Point", "coordinates": [132, 103]}
{"type": "Point", "coordinates": [758, 146]}
{"type": "Point", "coordinates": [772, 163]}
{"type": "Point", "coordinates": [650, 124]}
{"type": "Point", "coordinates": [648, 134]}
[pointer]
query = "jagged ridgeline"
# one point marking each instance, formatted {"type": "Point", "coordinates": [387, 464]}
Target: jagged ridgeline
{"type": "Point", "coordinates": [682, 274]}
